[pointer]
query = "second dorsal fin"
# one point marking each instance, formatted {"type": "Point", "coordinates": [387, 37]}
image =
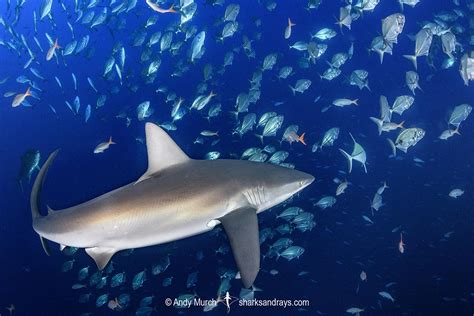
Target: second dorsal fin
{"type": "Point", "coordinates": [162, 151]}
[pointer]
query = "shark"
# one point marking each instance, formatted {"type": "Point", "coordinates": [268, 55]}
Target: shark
{"type": "Point", "coordinates": [177, 197]}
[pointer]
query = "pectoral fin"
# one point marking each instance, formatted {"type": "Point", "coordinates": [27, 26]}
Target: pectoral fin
{"type": "Point", "coordinates": [45, 246]}
{"type": "Point", "coordinates": [241, 227]}
{"type": "Point", "coordinates": [101, 256]}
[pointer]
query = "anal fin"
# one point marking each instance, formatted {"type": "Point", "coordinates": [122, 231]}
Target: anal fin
{"type": "Point", "coordinates": [241, 227]}
{"type": "Point", "coordinates": [101, 255]}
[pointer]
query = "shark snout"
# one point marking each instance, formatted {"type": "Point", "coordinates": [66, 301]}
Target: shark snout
{"type": "Point", "coordinates": [306, 180]}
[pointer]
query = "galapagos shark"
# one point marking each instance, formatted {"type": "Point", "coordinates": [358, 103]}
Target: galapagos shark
{"type": "Point", "coordinates": [177, 197]}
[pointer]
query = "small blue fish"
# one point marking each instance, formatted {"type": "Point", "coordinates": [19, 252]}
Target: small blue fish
{"type": "Point", "coordinates": [36, 72]}
{"type": "Point", "coordinates": [387, 296]}
{"type": "Point", "coordinates": [87, 114]}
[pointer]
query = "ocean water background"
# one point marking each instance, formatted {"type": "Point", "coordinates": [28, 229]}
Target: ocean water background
{"type": "Point", "coordinates": [434, 275]}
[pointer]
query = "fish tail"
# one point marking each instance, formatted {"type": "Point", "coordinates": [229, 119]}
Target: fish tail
{"type": "Point", "coordinates": [36, 192]}
{"type": "Point", "coordinates": [418, 86]}
{"type": "Point", "coordinates": [260, 137]}
{"type": "Point", "coordinates": [456, 131]}
{"type": "Point", "coordinates": [401, 4]}
{"type": "Point", "coordinates": [401, 124]}
{"type": "Point", "coordinates": [413, 59]}
{"type": "Point", "coordinates": [301, 139]}
{"type": "Point", "coordinates": [28, 92]}
{"type": "Point", "coordinates": [292, 90]}
{"type": "Point", "coordinates": [379, 124]}
{"type": "Point", "coordinates": [235, 113]}
{"type": "Point", "coordinates": [111, 142]}
{"type": "Point", "coordinates": [171, 9]}
{"type": "Point", "coordinates": [381, 54]}
{"type": "Point", "coordinates": [290, 23]}
{"type": "Point", "coordinates": [355, 102]}
{"type": "Point", "coordinates": [349, 159]}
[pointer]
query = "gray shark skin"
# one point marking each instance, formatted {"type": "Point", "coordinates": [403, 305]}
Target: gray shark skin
{"type": "Point", "coordinates": [177, 197]}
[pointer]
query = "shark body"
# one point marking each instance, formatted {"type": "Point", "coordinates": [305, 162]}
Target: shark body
{"type": "Point", "coordinates": [177, 197]}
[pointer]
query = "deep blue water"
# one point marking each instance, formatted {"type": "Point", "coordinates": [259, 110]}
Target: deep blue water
{"type": "Point", "coordinates": [434, 274]}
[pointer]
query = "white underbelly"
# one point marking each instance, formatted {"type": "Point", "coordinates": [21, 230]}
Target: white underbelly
{"type": "Point", "coordinates": [146, 237]}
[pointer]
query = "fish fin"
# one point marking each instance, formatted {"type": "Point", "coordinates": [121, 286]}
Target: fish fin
{"type": "Point", "coordinates": [292, 90]}
{"type": "Point", "coordinates": [50, 210]}
{"type": "Point", "coordinates": [241, 226]}
{"type": "Point", "coordinates": [378, 122]}
{"type": "Point", "coordinates": [348, 157]}
{"type": "Point", "coordinates": [381, 54]}
{"type": "Point", "coordinates": [162, 151]}
{"type": "Point", "coordinates": [45, 246]}
{"type": "Point", "coordinates": [393, 147]}
{"type": "Point", "coordinates": [353, 139]}
{"type": "Point", "coordinates": [401, 5]}
{"type": "Point", "coordinates": [101, 256]}
{"type": "Point", "coordinates": [413, 59]}
{"type": "Point", "coordinates": [301, 139]}
{"type": "Point", "coordinates": [62, 247]}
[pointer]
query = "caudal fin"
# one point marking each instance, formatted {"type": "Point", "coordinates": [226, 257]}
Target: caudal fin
{"type": "Point", "coordinates": [36, 192]}
{"type": "Point", "coordinates": [292, 90]}
{"type": "Point", "coordinates": [413, 59]}
{"type": "Point", "coordinates": [348, 157]}
{"type": "Point", "coordinates": [378, 122]}
{"type": "Point", "coordinates": [301, 139]}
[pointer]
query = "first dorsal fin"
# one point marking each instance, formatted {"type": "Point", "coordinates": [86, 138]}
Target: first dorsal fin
{"type": "Point", "coordinates": [162, 151]}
